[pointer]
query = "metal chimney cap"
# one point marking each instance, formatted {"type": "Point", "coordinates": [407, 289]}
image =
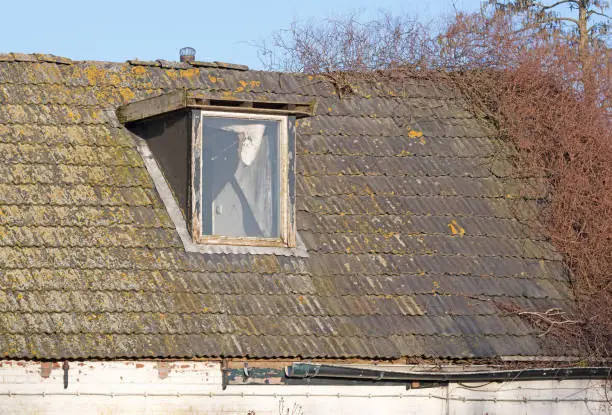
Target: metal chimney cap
{"type": "Point", "coordinates": [187, 54]}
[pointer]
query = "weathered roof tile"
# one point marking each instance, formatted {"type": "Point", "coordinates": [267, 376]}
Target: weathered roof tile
{"type": "Point", "coordinates": [414, 247]}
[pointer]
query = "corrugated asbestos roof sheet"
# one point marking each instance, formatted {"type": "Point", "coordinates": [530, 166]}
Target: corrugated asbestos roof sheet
{"type": "Point", "coordinates": [416, 246]}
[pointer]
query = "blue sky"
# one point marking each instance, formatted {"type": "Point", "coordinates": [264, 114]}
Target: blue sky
{"type": "Point", "coordinates": [221, 30]}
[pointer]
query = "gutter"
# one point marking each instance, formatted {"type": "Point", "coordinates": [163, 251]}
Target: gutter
{"type": "Point", "coordinates": [313, 370]}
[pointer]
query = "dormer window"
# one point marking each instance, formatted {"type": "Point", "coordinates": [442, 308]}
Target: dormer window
{"type": "Point", "coordinates": [225, 169]}
{"type": "Point", "coordinates": [240, 175]}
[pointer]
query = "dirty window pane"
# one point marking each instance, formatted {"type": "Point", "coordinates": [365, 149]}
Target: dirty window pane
{"type": "Point", "coordinates": [240, 177]}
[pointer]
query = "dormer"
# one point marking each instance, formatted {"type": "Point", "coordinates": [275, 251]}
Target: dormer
{"type": "Point", "coordinates": [225, 168]}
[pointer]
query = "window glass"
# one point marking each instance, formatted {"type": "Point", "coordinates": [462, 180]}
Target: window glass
{"type": "Point", "coordinates": [240, 177]}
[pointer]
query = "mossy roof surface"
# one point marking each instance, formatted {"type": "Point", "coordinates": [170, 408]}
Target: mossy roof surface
{"type": "Point", "coordinates": [417, 245]}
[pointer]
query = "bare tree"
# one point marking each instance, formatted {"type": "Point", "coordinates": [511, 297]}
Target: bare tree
{"type": "Point", "coordinates": [589, 24]}
{"type": "Point", "coordinates": [349, 44]}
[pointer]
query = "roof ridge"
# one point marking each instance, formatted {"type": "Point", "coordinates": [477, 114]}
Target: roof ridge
{"type": "Point", "coordinates": [186, 65]}
{"type": "Point", "coordinates": [34, 57]}
{"type": "Point", "coordinates": [47, 57]}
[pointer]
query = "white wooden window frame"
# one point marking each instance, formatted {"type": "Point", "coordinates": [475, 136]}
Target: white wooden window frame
{"type": "Point", "coordinates": [287, 209]}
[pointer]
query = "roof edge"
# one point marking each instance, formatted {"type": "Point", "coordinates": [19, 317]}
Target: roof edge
{"type": "Point", "coordinates": [34, 57]}
{"type": "Point", "coordinates": [182, 98]}
{"type": "Point", "coordinates": [50, 58]}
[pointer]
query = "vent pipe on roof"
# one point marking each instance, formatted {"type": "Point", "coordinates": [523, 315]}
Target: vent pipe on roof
{"type": "Point", "coordinates": [187, 54]}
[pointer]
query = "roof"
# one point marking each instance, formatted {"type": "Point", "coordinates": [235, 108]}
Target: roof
{"type": "Point", "coordinates": [416, 243]}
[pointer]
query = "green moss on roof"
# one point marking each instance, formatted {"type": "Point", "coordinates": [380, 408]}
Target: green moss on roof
{"type": "Point", "coordinates": [91, 266]}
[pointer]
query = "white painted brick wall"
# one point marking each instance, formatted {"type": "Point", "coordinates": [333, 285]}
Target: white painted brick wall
{"type": "Point", "coordinates": [195, 387]}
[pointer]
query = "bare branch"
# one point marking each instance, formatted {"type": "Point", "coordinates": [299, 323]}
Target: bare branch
{"type": "Point", "coordinates": [552, 6]}
{"type": "Point", "coordinates": [559, 19]}
{"type": "Point", "coordinates": [595, 12]}
{"type": "Point", "coordinates": [553, 317]}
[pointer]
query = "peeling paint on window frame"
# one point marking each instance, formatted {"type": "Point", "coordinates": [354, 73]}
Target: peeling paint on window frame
{"type": "Point", "coordinates": [287, 181]}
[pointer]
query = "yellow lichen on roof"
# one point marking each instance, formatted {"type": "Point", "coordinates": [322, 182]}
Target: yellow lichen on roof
{"type": "Point", "coordinates": [403, 153]}
{"type": "Point", "coordinates": [114, 79]}
{"type": "Point", "coordinates": [455, 228]}
{"type": "Point", "coordinates": [126, 93]}
{"type": "Point", "coordinates": [138, 70]}
{"type": "Point", "coordinates": [94, 74]}
{"type": "Point", "coordinates": [414, 134]}
{"type": "Point", "coordinates": [190, 73]}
